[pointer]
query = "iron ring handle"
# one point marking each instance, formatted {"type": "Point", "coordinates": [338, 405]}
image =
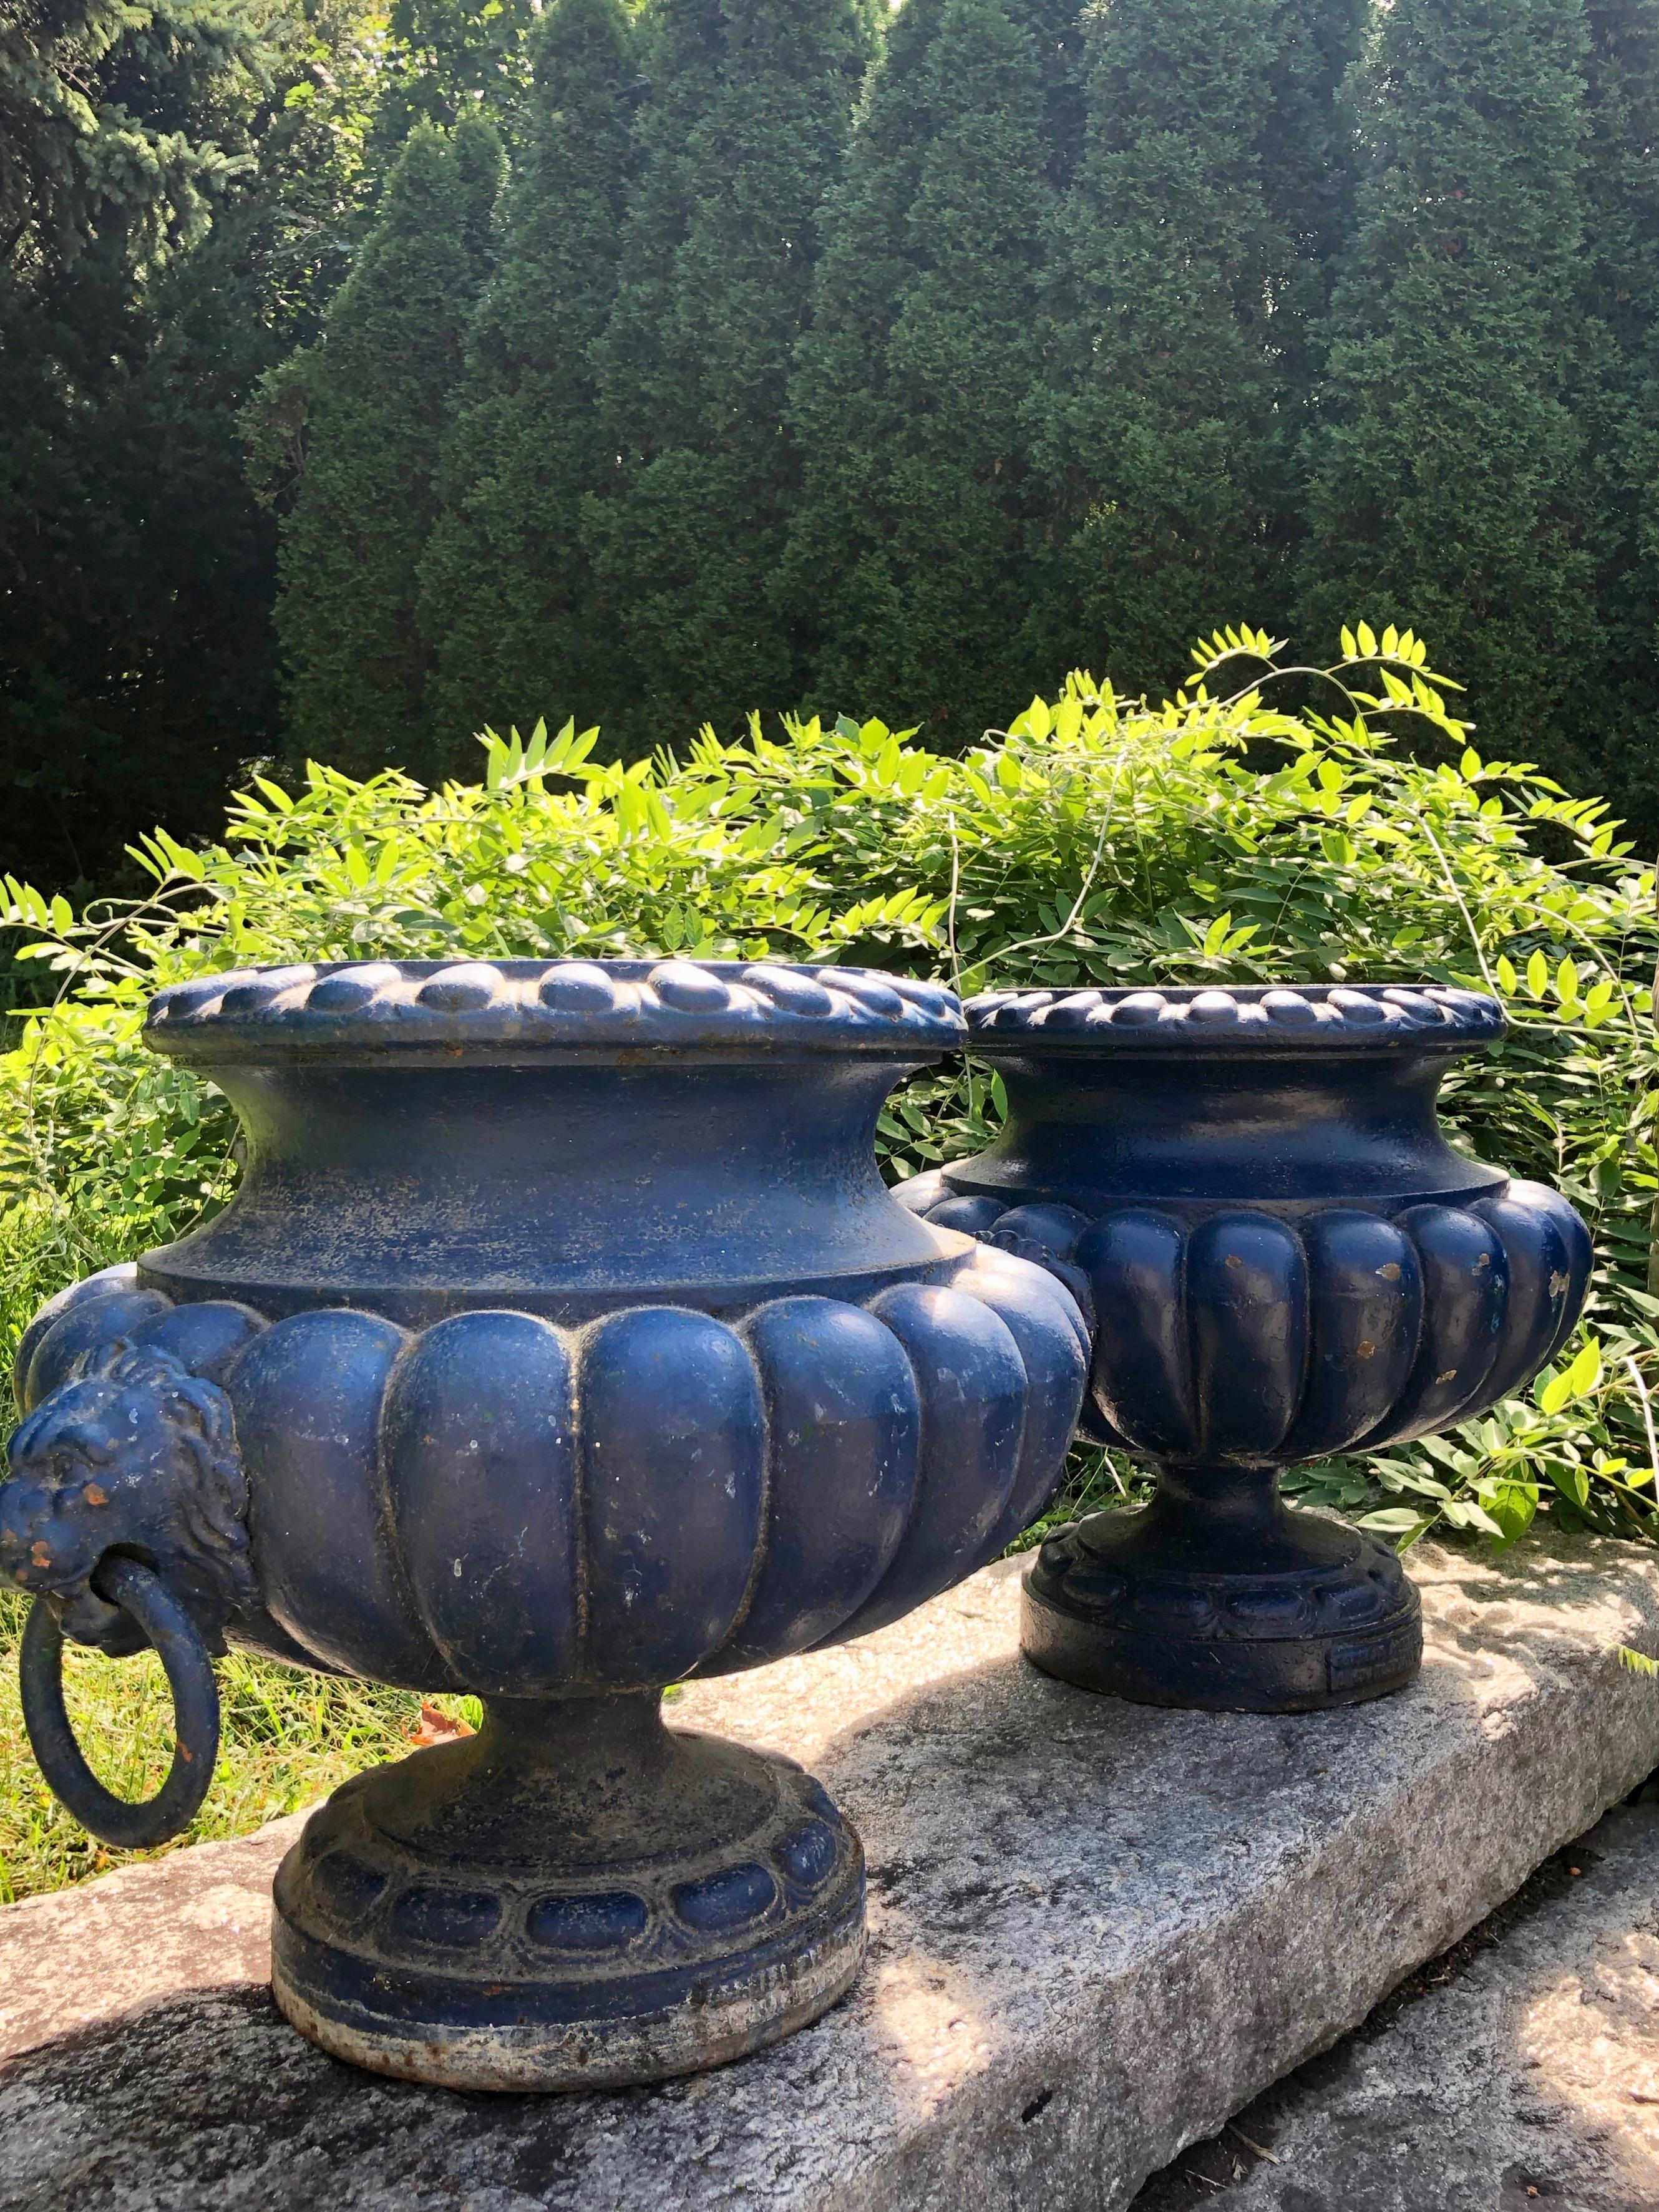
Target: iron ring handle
{"type": "Point", "coordinates": [142, 1594]}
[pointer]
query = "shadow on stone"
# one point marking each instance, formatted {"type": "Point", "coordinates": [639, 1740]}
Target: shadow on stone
{"type": "Point", "coordinates": [1518, 2069]}
{"type": "Point", "coordinates": [1098, 1929]}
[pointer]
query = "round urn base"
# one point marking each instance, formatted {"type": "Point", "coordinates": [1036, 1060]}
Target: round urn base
{"type": "Point", "coordinates": [577, 1898]}
{"type": "Point", "coordinates": [1273, 1612]}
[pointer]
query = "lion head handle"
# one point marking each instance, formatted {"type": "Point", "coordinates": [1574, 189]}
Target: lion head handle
{"type": "Point", "coordinates": [131, 1454]}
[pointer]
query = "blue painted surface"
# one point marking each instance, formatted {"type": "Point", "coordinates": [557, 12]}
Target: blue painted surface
{"type": "Point", "coordinates": [1285, 1257]}
{"type": "Point", "coordinates": [573, 1346]}
{"type": "Point", "coordinates": [1282, 1259]}
{"type": "Point", "coordinates": [524, 1313]}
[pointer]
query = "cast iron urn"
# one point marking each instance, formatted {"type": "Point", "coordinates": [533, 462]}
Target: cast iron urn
{"type": "Point", "coordinates": [561, 1343]}
{"type": "Point", "coordinates": [1284, 1259]}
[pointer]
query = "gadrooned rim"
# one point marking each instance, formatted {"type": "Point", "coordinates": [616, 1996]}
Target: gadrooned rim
{"type": "Point", "coordinates": [672, 1003]}
{"type": "Point", "coordinates": [1256, 1018]}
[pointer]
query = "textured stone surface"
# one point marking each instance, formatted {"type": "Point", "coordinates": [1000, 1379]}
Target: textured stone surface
{"type": "Point", "coordinates": [198, 1919]}
{"type": "Point", "coordinates": [1527, 2073]}
{"type": "Point", "coordinates": [1098, 1929]}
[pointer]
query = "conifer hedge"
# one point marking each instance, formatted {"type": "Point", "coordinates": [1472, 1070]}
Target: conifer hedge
{"type": "Point", "coordinates": [827, 362]}
{"type": "Point", "coordinates": [359, 423]}
{"type": "Point", "coordinates": [504, 583]}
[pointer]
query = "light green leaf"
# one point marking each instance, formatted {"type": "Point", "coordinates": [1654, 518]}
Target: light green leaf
{"type": "Point", "coordinates": [1585, 1372]}
{"type": "Point", "coordinates": [1552, 1395]}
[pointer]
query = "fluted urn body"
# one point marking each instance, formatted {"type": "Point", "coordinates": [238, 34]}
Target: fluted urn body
{"type": "Point", "coordinates": [1283, 1258]}
{"type": "Point", "coordinates": [561, 1343]}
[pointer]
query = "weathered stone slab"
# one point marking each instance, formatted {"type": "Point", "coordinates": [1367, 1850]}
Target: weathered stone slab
{"type": "Point", "coordinates": [1098, 1929]}
{"type": "Point", "coordinates": [1529, 2076]}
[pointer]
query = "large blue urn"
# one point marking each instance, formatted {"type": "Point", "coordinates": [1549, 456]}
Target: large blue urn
{"type": "Point", "coordinates": [1282, 1258]}
{"type": "Point", "coordinates": [561, 1343]}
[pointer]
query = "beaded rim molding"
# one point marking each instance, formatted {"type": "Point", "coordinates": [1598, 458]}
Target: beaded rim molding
{"type": "Point", "coordinates": [1256, 1018]}
{"type": "Point", "coordinates": [346, 1006]}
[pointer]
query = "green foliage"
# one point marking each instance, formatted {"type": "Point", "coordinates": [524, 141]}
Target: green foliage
{"type": "Point", "coordinates": [506, 593]}
{"type": "Point", "coordinates": [1617, 388]}
{"type": "Point", "coordinates": [1179, 332]}
{"type": "Point", "coordinates": [359, 419]}
{"type": "Point", "coordinates": [1099, 839]}
{"type": "Point", "coordinates": [137, 660]}
{"type": "Point", "coordinates": [1308, 167]}
{"type": "Point", "coordinates": [102, 110]}
{"type": "Point", "coordinates": [1039, 364]}
{"type": "Point", "coordinates": [123, 515]}
{"type": "Point", "coordinates": [741, 133]}
{"type": "Point", "coordinates": [446, 59]}
{"type": "Point", "coordinates": [183, 188]}
{"type": "Point", "coordinates": [1449, 477]}
{"type": "Point", "coordinates": [907, 571]}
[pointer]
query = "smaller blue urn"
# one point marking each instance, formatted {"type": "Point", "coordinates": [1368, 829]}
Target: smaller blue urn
{"type": "Point", "coordinates": [561, 1343]}
{"type": "Point", "coordinates": [1282, 1258]}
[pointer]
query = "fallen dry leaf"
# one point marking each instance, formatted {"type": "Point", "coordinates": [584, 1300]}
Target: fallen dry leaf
{"type": "Point", "coordinates": [436, 1726]}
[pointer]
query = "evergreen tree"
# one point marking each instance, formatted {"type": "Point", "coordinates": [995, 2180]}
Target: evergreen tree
{"type": "Point", "coordinates": [1307, 160]}
{"type": "Point", "coordinates": [740, 134]}
{"type": "Point", "coordinates": [107, 116]}
{"type": "Point", "coordinates": [137, 667]}
{"type": "Point", "coordinates": [1617, 402]}
{"type": "Point", "coordinates": [505, 592]}
{"type": "Point", "coordinates": [1162, 427]}
{"type": "Point", "coordinates": [137, 660]}
{"type": "Point", "coordinates": [1449, 484]}
{"type": "Point", "coordinates": [907, 571]}
{"type": "Point", "coordinates": [360, 418]}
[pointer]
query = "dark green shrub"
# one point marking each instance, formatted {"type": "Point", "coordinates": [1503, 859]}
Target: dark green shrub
{"type": "Point", "coordinates": [1449, 480]}
{"type": "Point", "coordinates": [355, 425]}
{"type": "Point", "coordinates": [506, 597]}
{"type": "Point", "coordinates": [909, 571]}
{"type": "Point", "coordinates": [741, 133]}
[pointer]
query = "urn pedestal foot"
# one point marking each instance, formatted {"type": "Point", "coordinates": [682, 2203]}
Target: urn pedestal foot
{"type": "Point", "coordinates": [575, 1898]}
{"type": "Point", "coordinates": [1218, 1596]}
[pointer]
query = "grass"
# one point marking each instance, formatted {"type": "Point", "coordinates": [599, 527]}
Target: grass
{"type": "Point", "coordinates": [289, 1739]}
